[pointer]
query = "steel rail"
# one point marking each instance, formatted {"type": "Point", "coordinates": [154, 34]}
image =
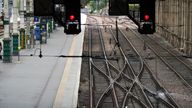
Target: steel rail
{"type": "Point", "coordinates": [110, 87]}
{"type": "Point", "coordinates": [108, 70]}
{"type": "Point", "coordinates": [169, 102]}
{"type": "Point", "coordinates": [174, 104]}
{"type": "Point", "coordinates": [90, 68]}
{"type": "Point", "coordinates": [156, 82]}
{"type": "Point", "coordinates": [132, 70]}
{"type": "Point", "coordinates": [167, 64]}
{"type": "Point", "coordinates": [170, 99]}
{"type": "Point", "coordinates": [188, 66]}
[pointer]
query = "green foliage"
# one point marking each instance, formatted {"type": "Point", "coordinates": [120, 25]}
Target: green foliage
{"type": "Point", "coordinates": [134, 6]}
{"type": "Point", "coordinates": [92, 6]}
{"type": "Point", "coordinates": [96, 4]}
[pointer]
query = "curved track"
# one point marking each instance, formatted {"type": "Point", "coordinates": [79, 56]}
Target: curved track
{"type": "Point", "coordinates": [126, 82]}
{"type": "Point", "coordinates": [123, 75]}
{"type": "Point", "coordinates": [175, 71]}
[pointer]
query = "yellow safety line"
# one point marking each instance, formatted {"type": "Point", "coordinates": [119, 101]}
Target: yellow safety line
{"type": "Point", "coordinates": [60, 93]}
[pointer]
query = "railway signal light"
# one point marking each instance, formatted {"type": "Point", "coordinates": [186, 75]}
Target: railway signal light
{"type": "Point", "coordinates": [73, 17]}
{"type": "Point", "coordinates": [147, 17]}
{"type": "Point", "coordinates": [66, 13]}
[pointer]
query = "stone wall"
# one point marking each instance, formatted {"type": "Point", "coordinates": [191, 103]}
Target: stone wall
{"type": "Point", "coordinates": [174, 23]}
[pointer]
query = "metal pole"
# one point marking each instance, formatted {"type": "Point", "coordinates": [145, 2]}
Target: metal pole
{"type": "Point", "coordinates": [156, 67]}
{"type": "Point", "coordinates": [19, 55]}
{"type": "Point", "coordinates": [117, 33]}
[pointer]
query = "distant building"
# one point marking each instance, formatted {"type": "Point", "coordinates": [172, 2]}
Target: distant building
{"type": "Point", "coordinates": [10, 3]}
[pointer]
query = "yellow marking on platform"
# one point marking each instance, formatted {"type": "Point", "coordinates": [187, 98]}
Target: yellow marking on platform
{"type": "Point", "coordinates": [60, 92]}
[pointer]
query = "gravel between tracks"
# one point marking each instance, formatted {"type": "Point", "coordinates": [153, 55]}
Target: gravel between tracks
{"type": "Point", "coordinates": [175, 87]}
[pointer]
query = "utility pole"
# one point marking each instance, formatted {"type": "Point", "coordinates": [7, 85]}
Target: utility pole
{"type": "Point", "coordinates": [15, 34]}
{"type": "Point", "coordinates": [6, 39]}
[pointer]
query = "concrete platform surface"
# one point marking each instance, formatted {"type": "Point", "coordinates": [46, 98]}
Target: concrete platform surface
{"type": "Point", "coordinates": [46, 82]}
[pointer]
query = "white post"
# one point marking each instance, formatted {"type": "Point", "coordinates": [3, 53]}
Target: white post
{"type": "Point", "coordinates": [31, 23]}
{"type": "Point", "coordinates": [22, 20]}
{"type": "Point", "coordinates": [28, 24]}
{"type": "Point", "coordinates": [31, 11]}
{"type": "Point", "coordinates": [15, 17]}
{"type": "Point", "coordinates": [6, 19]}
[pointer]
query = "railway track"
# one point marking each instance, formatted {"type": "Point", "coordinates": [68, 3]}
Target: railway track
{"type": "Point", "coordinates": [100, 74]}
{"type": "Point", "coordinates": [175, 61]}
{"type": "Point", "coordinates": [175, 73]}
{"type": "Point", "coordinates": [120, 75]}
{"type": "Point", "coordinates": [115, 84]}
{"type": "Point", "coordinates": [144, 77]}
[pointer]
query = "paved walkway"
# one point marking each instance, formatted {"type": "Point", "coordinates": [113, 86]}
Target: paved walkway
{"type": "Point", "coordinates": [34, 82]}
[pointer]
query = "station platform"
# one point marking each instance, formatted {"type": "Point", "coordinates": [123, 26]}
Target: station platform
{"type": "Point", "coordinates": [47, 82]}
